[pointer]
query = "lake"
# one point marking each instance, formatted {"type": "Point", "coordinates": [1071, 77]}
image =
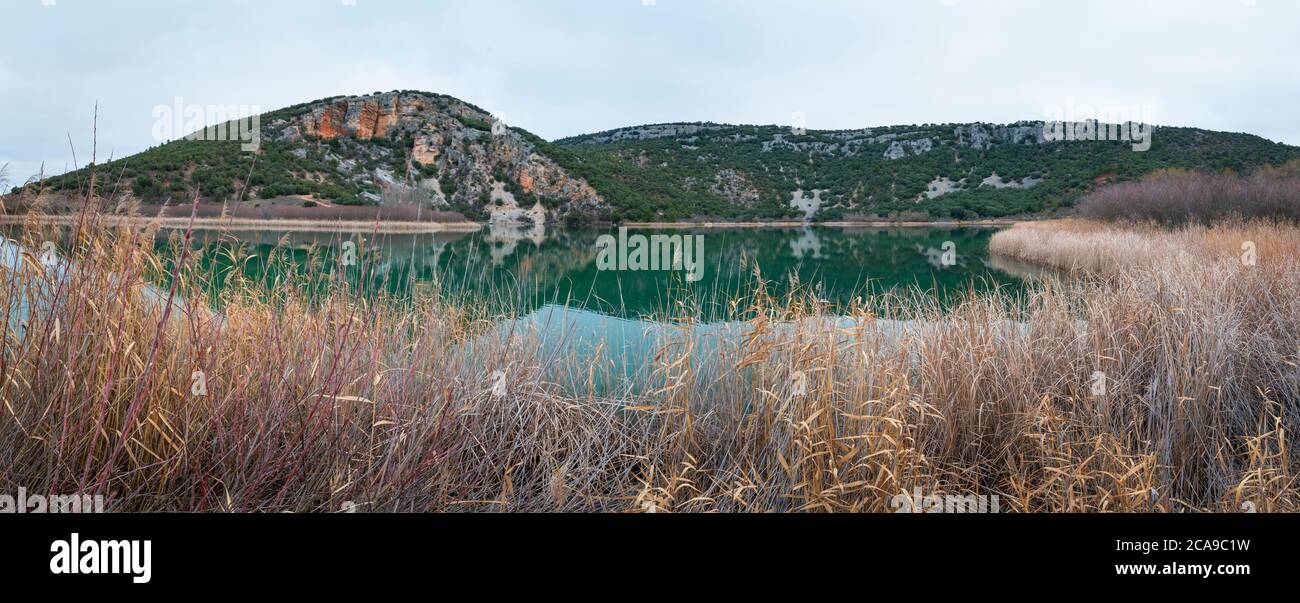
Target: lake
{"type": "Point", "coordinates": [518, 270]}
{"type": "Point", "coordinates": [549, 284]}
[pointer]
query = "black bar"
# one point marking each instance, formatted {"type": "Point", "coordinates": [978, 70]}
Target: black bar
{"type": "Point", "coordinates": [324, 552]}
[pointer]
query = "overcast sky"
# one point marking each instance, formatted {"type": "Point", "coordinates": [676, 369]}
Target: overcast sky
{"type": "Point", "coordinates": [565, 67]}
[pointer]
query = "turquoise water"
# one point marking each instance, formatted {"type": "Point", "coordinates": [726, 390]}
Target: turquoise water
{"type": "Point", "coordinates": [522, 269]}
{"type": "Point", "coordinates": [549, 286]}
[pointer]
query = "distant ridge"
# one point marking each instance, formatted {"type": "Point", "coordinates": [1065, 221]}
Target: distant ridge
{"type": "Point", "coordinates": [432, 151]}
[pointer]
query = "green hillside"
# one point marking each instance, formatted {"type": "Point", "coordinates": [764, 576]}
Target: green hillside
{"type": "Point", "coordinates": [653, 172]}
{"type": "Point", "coordinates": [430, 150]}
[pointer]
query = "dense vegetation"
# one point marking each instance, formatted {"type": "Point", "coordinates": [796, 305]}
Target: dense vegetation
{"type": "Point", "coordinates": [1177, 197]}
{"type": "Point", "coordinates": [219, 169]}
{"type": "Point", "coordinates": [701, 170]}
{"type": "Point", "coordinates": [672, 177]}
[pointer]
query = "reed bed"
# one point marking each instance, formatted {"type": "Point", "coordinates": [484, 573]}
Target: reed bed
{"type": "Point", "coordinates": [125, 372]}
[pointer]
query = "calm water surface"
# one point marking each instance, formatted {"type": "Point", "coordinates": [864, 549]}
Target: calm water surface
{"type": "Point", "coordinates": [524, 269]}
{"type": "Point", "coordinates": [548, 284]}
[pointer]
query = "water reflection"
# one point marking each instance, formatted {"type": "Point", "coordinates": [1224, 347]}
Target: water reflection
{"type": "Point", "coordinates": [519, 267]}
{"type": "Point", "coordinates": [504, 237]}
{"type": "Point", "coordinates": [528, 265]}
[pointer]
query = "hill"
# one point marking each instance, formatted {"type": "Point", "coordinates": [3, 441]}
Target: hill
{"type": "Point", "coordinates": [402, 149]}
{"type": "Point", "coordinates": [410, 149]}
{"type": "Point", "coordinates": [673, 171]}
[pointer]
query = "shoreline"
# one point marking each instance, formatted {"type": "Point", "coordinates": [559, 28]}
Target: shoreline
{"type": "Point", "coordinates": [838, 224]}
{"type": "Point", "coordinates": [391, 226]}
{"type": "Point", "coordinates": [398, 226]}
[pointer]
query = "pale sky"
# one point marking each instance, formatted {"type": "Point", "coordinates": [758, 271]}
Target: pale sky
{"type": "Point", "coordinates": [565, 67]}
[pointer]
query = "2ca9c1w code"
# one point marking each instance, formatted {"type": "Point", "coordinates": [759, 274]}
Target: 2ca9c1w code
{"type": "Point", "coordinates": [1223, 544]}
{"type": "Point", "coordinates": [1146, 547]}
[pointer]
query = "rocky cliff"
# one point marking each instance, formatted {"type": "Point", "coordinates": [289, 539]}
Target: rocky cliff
{"type": "Point", "coordinates": [403, 148]}
{"type": "Point", "coordinates": [453, 153]}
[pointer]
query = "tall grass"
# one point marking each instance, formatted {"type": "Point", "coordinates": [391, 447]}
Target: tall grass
{"type": "Point", "coordinates": [319, 401]}
{"type": "Point", "coordinates": [1196, 329]}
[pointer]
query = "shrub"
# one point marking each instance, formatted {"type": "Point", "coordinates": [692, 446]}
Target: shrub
{"type": "Point", "coordinates": [1175, 197]}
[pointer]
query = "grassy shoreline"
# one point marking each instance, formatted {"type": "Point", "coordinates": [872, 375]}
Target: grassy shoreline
{"type": "Point", "coordinates": [1111, 250]}
{"type": "Point", "coordinates": [298, 398]}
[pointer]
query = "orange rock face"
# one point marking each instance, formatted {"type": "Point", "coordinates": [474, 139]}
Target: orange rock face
{"type": "Point", "coordinates": [373, 120]}
{"type": "Point", "coordinates": [364, 121]}
{"type": "Point", "coordinates": [368, 121]}
{"type": "Point", "coordinates": [526, 181]}
{"type": "Point", "coordinates": [388, 118]}
{"type": "Point", "coordinates": [331, 123]}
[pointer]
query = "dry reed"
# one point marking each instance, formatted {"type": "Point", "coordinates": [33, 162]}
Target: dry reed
{"type": "Point", "coordinates": [323, 401]}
